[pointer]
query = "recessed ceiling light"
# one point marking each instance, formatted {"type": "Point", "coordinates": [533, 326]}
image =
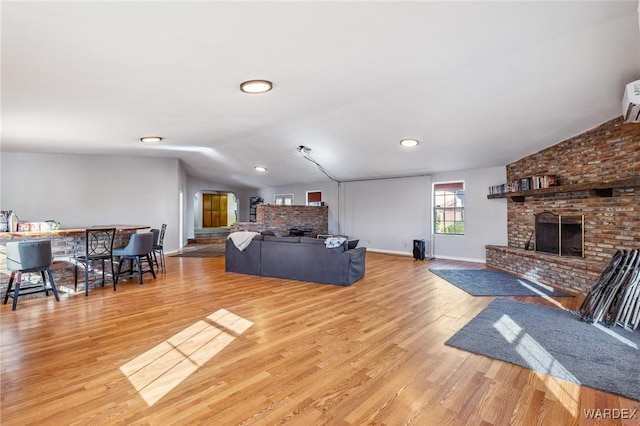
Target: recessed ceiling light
{"type": "Point", "coordinates": [256, 86]}
{"type": "Point", "coordinates": [260, 168]}
{"type": "Point", "coordinates": [151, 139]}
{"type": "Point", "coordinates": [409, 142]}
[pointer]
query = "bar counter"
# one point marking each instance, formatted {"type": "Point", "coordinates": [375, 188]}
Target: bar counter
{"type": "Point", "coordinates": [65, 245]}
{"type": "Point", "coordinates": [26, 235]}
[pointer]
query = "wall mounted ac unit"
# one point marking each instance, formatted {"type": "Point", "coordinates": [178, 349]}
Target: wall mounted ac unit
{"type": "Point", "coordinates": [631, 102]}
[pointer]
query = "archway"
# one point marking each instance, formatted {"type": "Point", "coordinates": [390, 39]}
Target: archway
{"type": "Point", "coordinates": [214, 211]}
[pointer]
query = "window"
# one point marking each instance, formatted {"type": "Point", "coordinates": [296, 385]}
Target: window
{"type": "Point", "coordinates": [283, 200]}
{"type": "Point", "coordinates": [448, 202]}
{"type": "Point", "coordinates": [314, 198]}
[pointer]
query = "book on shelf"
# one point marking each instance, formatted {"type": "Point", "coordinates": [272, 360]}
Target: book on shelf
{"type": "Point", "coordinates": [524, 184]}
{"type": "Point", "coordinates": [539, 182]}
{"type": "Point", "coordinates": [498, 189]}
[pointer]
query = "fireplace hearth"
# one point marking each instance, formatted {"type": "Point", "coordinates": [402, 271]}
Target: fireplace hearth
{"type": "Point", "coordinates": [562, 235]}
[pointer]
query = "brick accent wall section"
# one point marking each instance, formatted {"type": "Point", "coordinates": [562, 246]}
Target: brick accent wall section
{"type": "Point", "coordinates": [280, 219]}
{"type": "Point", "coordinates": [608, 152]}
{"type": "Point", "coordinates": [63, 249]}
{"type": "Point", "coordinates": [573, 274]}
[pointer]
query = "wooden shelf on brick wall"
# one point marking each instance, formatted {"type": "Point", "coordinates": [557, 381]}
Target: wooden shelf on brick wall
{"type": "Point", "coordinates": [598, 189]}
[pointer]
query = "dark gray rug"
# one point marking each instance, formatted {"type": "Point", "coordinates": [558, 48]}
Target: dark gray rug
{"type": "Point", "coordinates": [488, 282]}
{"type": "Point", "coordinates": [203, 252]}
{"type": "Point", "coordinates": [553, 341]}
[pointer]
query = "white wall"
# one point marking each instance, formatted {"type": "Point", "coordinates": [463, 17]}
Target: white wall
{"type": "Point", "coordinates": [232, 208]}
{"type": "Point", "coordinates": [485, 220]}
{"type": "Point", "coordinates": [182, 207]}
{"type": "Point", "coordinates": [86, 190]}
{"type": "Point", "coordinates": [388, 214]}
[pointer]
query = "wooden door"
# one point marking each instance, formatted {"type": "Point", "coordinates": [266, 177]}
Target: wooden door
{"type": "Point", "coordinates": [214, 210]}
{"type": "Point", "coordinates": [222, 209]}
{"type": "Point", "coordinates": [207, 206]}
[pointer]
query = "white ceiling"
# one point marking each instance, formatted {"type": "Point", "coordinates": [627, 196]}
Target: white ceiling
{"type": "Point", "coordinates": [480, 84]}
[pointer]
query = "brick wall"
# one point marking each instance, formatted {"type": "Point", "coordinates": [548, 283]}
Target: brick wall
{"type": "Point", "coordinates": [573, 274]}
{"type": "Point", "coordinates": [280, 219]}
{"type": "Point", "coordinates": [607, 153]}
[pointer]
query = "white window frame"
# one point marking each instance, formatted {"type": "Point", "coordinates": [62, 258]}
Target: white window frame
{"type": "Point", "coordinates": [283, 199]}
{"type": "Point", "coordinates": [314, 203]}
{"type": "Point", "coordinates": [455, 208]}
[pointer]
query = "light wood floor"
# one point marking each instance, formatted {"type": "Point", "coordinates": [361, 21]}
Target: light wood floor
{"type": "Point", "coordinates": [200, 346]}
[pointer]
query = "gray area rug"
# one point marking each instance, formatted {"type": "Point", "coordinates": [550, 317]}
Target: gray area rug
{"type": "Point", "coordinates": [553, 341]}
{"type": "Point", "coordinates": [487, 282]}
{"type": "Point", "coordinates": [203, 252]}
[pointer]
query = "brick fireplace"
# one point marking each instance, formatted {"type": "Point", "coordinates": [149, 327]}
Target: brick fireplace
{"type": "Point", "coordinates": [598, 174]}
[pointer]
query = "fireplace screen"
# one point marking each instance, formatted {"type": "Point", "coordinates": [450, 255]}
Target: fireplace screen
{"type": "Point", "coordinates": [562, 235]}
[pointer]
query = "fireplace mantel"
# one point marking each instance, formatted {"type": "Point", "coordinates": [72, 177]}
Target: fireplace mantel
{"type": "Point", "coordinates": [597, 189]}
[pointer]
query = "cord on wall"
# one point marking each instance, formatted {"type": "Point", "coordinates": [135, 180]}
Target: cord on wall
{"type": "Point", "coordinates": [305, 152]}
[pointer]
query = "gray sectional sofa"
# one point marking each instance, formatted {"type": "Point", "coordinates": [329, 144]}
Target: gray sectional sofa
{"type": "Point", "coordinates": [297, 258]}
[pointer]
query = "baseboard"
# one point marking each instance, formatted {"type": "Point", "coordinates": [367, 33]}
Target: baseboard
{"type": "Point", "coordinates": [409, 254]}
{"type": "Point", "coordinates": [394, 252]}
{"type": "Point", "coordinates": [462, 259]}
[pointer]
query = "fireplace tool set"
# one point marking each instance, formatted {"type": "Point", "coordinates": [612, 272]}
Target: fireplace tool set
{"type": "Point", "coordinates": [614, 297]}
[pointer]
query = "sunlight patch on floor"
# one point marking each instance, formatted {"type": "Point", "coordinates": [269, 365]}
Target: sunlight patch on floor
{"type": "Point", "coordinates": [615, 335]}
{"type": "Point", "coordinates": [537, 357]}
{"type": "Point", "coordinates": [163, 367]}
{"type": "Point", "coordinates": [542, 294]}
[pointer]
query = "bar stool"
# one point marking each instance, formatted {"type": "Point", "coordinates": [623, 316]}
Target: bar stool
{"type": "Point", "coordinates": [154, 256]}
{"type": "Point", "coordinates": [98, 246]}
{"type": "Point", "coordinates": [140, 246]}
{"type": "Point", "coordinates": [158, 247]}
{"type": "Point", "coordinates": [29, 256]}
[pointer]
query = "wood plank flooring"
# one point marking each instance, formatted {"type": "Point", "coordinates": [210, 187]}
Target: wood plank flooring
{"type": "Point", "coordinates": [198, 346]}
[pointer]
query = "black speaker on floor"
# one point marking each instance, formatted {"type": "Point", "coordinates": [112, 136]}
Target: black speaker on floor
{"type": "Point", "coordinates": [418, 249]}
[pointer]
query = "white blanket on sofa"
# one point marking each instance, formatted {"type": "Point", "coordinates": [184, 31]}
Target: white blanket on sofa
{"type": "Point", "coordinates": [242, 239]}
{"type": "Point", "coordinates": [333, 242]}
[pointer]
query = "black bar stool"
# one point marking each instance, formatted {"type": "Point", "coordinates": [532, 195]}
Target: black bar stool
{"type": "Point", "coordinates": [158, 247]}
{"type": "Point", "coordinates": [98, 246]}
{"type": "Point", "coordinates": [29, 256]}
